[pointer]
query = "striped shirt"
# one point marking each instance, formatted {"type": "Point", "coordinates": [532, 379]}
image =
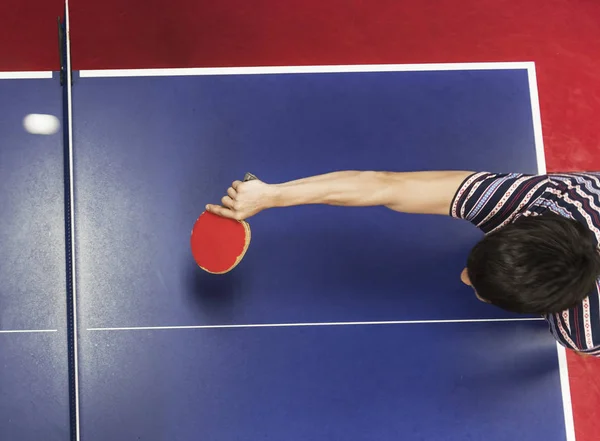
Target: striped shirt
{"type": "Point", "coordinates": [491, 201]}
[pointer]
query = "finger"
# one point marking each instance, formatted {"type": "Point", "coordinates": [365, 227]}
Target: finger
{"type": "Point", "coordinates": [220, 211]}
{"type": "Point", "coordinates": [235, 184]}
{"type": "Point", "coordinates": [231, 192]}
{"type": "Point", "coordinates": [227, 201]}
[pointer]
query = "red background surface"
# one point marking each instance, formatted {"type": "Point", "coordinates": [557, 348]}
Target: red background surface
{"type": "Point", "coordinates": [561, 36]}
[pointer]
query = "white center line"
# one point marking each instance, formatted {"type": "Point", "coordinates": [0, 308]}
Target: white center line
{"type": "Point", "coordinates": [292, 325]}
{"type": "Point", "coordinates": [26, 331]}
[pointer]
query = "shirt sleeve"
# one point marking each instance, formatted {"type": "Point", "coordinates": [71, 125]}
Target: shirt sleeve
{"type": "Point", "coordinates": [578, 328]}
{"type": "Point", "coordinates": [492, 200]}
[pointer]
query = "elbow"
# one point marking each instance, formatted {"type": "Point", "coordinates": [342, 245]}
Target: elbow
{"type": "Point", "coordinates": [385, 188]}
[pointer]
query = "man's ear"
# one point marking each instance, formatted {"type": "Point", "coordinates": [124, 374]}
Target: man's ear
{"type": "Point", "coordinates": [464, 276]}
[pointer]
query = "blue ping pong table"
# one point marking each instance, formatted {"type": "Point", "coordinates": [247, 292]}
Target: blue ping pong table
{"type": "Point", "coordinates": [339, 323]}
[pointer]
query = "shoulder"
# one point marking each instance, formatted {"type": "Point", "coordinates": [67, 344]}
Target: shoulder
{"type": "Point", "coordinates": [492, 200]}
{"type": "Point", "coordinates": [578, 328]}
{"type": "Point", "coordinates": [577, 196]}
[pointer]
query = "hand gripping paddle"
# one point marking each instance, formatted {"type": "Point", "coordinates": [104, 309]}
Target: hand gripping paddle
{"type": "Point", "coordinates": [219, 243]}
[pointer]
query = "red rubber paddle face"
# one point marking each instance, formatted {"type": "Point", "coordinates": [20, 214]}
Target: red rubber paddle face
{"type": "Point", "coordinates": [218, 244]}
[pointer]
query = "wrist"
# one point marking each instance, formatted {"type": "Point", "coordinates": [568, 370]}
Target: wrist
{"type": "Point", "coordinates": [273, 197]}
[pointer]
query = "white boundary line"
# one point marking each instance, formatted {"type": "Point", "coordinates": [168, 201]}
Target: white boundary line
{"type": "Point", "coordinates": [108, 73]}
{"type": "Point", "coordinates": [565, 387]}
{"type": "Point", "coordinates": [72, 226]}
{"type": "Point", "coordinates": [537, 120]}
{"type": "Point", "coordinates": [541, 162]}
{"type": "Point", "coordinates": [298, 325]}
{"type": "Point", "coordinates": [44, 75]}
{"type": "Point", "coordinates": [27, 331]}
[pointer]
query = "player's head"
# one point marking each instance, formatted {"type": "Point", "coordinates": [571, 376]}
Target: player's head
{"type": "Point", "coordinates": [536, 265]}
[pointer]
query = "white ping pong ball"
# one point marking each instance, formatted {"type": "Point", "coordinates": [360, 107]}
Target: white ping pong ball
{"type": "Point", "coordinates": [40, 124]}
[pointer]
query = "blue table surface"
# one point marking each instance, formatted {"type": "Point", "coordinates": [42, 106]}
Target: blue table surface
{"type": "Point", "coordinates": [33, 365]}
{"type": "Point", "coordinates": [150, 152]}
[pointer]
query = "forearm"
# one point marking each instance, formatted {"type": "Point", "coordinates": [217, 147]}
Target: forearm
{"type": "Point", "coordinates": [344, 188]}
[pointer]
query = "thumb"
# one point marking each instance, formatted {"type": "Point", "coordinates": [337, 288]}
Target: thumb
{"type": "Point", "coordinates": [220, 211]}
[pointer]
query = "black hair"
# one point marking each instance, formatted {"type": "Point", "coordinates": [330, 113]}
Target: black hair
{"type": "Point", "coordinates": [536, 265]}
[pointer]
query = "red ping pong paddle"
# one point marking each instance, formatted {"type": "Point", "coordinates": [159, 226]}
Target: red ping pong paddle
{"type": "Point", "coordinates": [219, 243]}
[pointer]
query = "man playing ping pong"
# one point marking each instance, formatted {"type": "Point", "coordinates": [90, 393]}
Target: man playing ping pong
{"type": "Point", "coordinates": [540, 253]}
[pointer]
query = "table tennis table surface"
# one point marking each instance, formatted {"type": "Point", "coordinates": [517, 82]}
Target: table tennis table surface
{"type": "Point", "coordinates": [340, 323]}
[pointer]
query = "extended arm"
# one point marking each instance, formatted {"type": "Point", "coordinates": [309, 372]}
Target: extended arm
{"type": "Point", "coordinates": [429, 192]}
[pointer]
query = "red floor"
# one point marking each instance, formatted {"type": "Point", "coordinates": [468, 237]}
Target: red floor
{"type": "Point", "coordinates": [561, 36]}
